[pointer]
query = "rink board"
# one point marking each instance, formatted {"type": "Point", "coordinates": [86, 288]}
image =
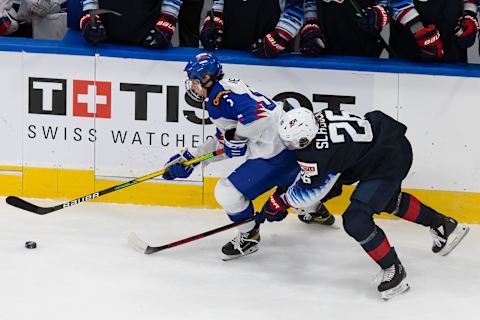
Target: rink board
{"type": "Point", "coordinates": [79, 120]}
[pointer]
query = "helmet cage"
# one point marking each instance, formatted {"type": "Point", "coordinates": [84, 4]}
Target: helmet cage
{"type": "Point", "coordinates": [190, 85]}
{"type": "Point", "coordinates": [205, 67]}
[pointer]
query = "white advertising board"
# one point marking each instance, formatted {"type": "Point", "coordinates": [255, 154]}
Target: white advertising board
{"type": "Point", "coordinates": [441, 114]}
{"type": "Point", "coordinates": [54, 135]}
{"type": "Point", "coordinates": [150, 120]}
{"type": "Point", "coordinates": [11, 112]}
{"type": "Point", "coordinates": [126, 117]}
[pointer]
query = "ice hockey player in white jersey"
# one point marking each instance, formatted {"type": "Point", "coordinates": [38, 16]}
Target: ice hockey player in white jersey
{"type": "Point", "coordinates": [246, 123]}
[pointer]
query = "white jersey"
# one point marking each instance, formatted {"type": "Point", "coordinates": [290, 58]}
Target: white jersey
{"type": "Point", "coordinates": [234, 105]}
{"type": "Point", "coordinates": [25, 10]}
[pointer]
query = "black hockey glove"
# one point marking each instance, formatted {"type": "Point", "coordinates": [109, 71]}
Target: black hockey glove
{"type": "Point", "coordinates": [431, 46]}
{"type": "Point", "coordinates": [466, 31]}
{"type": "Point", "coordinates": [160, 35]}
{"type": "Point", "coordinates": [92, 29]}
{"type": "Point", "coordinates": [270, 45]}
{"type": "Point", "coordinates": [275, 209]}
{"type": "Point", "coordinates": [212, 31]}
{"type": "Point", "coordinates": [312, 40]}
{"type": "Point", "coordinates": [374, 20]}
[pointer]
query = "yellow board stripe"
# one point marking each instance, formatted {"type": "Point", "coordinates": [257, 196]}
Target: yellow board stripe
{"type": "Point", "coordinates": [11, 168]}
{"type": "Point", "coordinates": [69, 184]}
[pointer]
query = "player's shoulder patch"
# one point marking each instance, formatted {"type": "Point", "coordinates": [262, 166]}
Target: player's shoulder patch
{"type": "Point", "coordinates": [219, 96]}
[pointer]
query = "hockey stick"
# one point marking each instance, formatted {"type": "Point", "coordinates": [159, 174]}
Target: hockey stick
{"type": "Point", "coordinates": [96, 12]}
{"type": "Point", "coordinates": [25, 205]}
{"type": "Point", "coordinates": [138, 244]}
{"type": "Point", "coordinates": [361, 13]}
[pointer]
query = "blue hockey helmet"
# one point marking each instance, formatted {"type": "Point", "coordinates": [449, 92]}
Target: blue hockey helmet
{"type": "Point", "coordinates": [202, 65]}
{"type": "Point", "coordinates": [205, 67]}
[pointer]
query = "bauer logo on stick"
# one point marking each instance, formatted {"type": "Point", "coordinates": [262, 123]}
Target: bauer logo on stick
{"type": "Point", "coordinates": [79, 200]}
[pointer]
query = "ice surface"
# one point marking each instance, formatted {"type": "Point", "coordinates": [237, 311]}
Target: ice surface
{"type": "Point", "coordinates": [84, 269]}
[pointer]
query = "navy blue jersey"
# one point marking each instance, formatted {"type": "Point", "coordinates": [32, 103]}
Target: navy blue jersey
{"type": "Point", "coordinates": [338, 21]}
{"type": "Point", "coordinates": [246, 21]}
{"type": "Point", "coordinates": [347, 149]}
{"type": "Point", "coordinates": [138, 17]}
{"type": "Point", "coordinates": [444, 14]}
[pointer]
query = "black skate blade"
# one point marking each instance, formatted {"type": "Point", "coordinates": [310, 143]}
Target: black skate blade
{"type": "Point", "coordinates": [334, 225]}
{"type": "Point", "coordinates": [311, 220]}
{"type": "Point", "coordinates": [246, 253]}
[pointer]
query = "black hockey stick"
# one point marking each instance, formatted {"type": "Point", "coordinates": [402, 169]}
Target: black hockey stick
{"type": "Point", "coordinates": [96, 12]}
{"type": "Point", "coordinates": [361, 13]}
{"type": "Point", "coordinates": [138, 244]}
{"type": "Point", "coordinates": [25, 205]}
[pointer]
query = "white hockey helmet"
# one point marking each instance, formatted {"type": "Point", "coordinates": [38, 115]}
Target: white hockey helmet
{"type": "Point", "coordinates": [297, 128]}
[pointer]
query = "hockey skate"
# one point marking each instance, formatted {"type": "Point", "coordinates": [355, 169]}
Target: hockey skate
{"type": "Point", "coordinates": [243, 244]}
{"type": "Point", "coordinates": [447, 234]}
{"type": "Point", "coordinates": [392, 281]}
{"type": "Point", "coordinates": [320, 216]}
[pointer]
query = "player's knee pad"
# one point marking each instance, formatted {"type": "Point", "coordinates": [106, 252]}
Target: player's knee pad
{"type": "Point", "coordinates": [358, 221]}
{"type": "Point", "coordinates": [232, 200]}
{"type": "Point", "coordinates": [393, 205]}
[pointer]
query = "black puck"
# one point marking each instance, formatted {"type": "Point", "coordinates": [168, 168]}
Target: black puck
{"type": "Point", "coordinates": [30, 244]}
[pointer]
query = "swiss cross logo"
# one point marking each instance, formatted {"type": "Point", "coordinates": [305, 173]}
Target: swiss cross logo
{"type": "Point", "coordinates": [92, 99]}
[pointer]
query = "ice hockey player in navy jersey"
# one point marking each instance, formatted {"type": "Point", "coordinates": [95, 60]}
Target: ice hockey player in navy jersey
{"type": "Point", "coordinates": [432, 30]}
{"type": "Point", "coordinates": [334, 27]}
{"type": "Point", "coordinates": [265, 27]}
{"type": "Point", "coordinates": [337, 148]}
{"type": "Point", "coordinates": [150, 23]}
{"type": "Point", "coordinates": [246, 123]}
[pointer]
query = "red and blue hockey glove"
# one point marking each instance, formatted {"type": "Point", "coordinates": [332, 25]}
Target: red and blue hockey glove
{"type": "Point", "coordinates": [160, 36]}
{"type": "Point", "coordinates": [5, 23]}
{"type": "Point", "coordinates": [270, 45]}
{"type": "Point", "coordinates": [466, 31]}
{"type": "Point", "coordinates": [275, 209]}
{"type": "Point", "coordinates": [175, 167]}
{"type": "Point", "coordinates": [312, 40]}
{"type": "Point", "coordinates": [374, 20]}
{"type": "Point", "coordinates": [212, 31]}
{"type": "Point", "coordinates": [93, 29]}
{"type": "Point", "coordinates": [431, 46]}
